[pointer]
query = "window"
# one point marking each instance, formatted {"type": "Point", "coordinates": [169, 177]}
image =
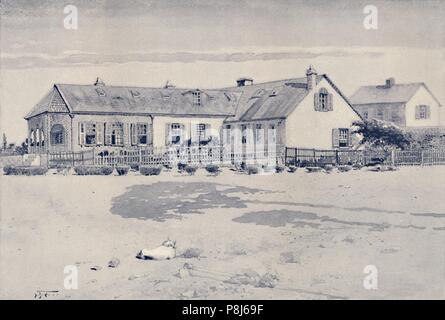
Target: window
{"type": "Point", "coordinates": [323, 101]}
{"type": "Point", "coordinates": [395, 116]}
{"type": "Point", "coordinates": [114, 134]}
{"type": "Point", "coordinates": [422, 112]}
{"type": "Point", "coordinates": [201, 131]}
{"type": "Point", "coordinates": [176, 132]}
{"type": "Point", "coordinates": [101, 92]}
{"type": "Point", "coordinates": [380, 113]}
{"type": "Point", "coordinates": [196, 97]}
{"type": "Point", "coordinates": [135, 94]}
{"type": "Point", "coordinates": [341, 138]}
{"type": "Point", "coordinates": [272, 135]}
{"type": "Point", "coordinates": [244, 134]}
{"type": "Point", "coordinates": [259, 134]}
{"type": "Point", "coordinates": [139, 133]}
{"type": "Point", "coordinates": [227, 134]}
{"type": "Point", "coordinates": [365, 115]}
{"type": "Point", "coordinates": [57, 134]}
{"type": "Point", "coordinates": [90, 133]}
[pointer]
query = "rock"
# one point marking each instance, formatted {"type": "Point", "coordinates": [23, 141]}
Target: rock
{"type": "Point", "coordinates": [165, 252]}
{"type": "Point", "coordinates": [289, 257]}
{"type": "Point", "coordinates": [114, 263]}
{"type": "Point", "coordinates": [96, 268]}
{"type": "Point", "coordinates": [192, 253]}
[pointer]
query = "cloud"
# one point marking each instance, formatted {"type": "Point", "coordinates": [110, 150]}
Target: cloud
{"type": "Point", "coordinates": [76, 57]}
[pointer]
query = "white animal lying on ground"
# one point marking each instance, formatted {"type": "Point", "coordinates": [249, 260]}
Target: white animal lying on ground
{"type": "Point", "coordinates": [165, 252]}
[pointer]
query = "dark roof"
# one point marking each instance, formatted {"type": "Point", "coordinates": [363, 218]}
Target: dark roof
{"type": "Point", "coordinates": [397, 93]}
{"type": "Point", "coordinates": [51, 102]}
{"type": "Point", "coordinates": [270, 100]}
{"type": "Point", "coordinates": [139, 100]}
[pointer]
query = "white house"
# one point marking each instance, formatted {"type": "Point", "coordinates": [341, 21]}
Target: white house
{"type": "Point", "coordinates": [409, 105]}
{"type": "Point", "coordinates": [306, 112]}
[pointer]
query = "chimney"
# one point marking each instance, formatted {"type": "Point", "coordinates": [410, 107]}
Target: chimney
{"type": "Point", "coordinates": [311, 76]}
{"type": "Point", "coordinates": [169, 85]}
{"type": "Point", "coordinates": [241, 82]}
{"type": "Point", "coordinates": [99, 82]}
{"type": "Point", "coordinates": [390, 82]}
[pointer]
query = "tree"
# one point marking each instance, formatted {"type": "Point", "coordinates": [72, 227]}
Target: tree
{"type": "Point", "coordinates": [382, 134]}
{"type": "Point", "coordinates": [23, 148]}
{"type": "Point", "coordinates": [5, 142]}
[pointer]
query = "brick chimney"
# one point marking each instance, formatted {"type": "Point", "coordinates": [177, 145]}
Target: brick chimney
{"type": "Point", "coordinates": [311, 76]}
{"type": "Point", "coordinates": [241, 82]}
{"type": "Point", "coordinates": [390, 82]}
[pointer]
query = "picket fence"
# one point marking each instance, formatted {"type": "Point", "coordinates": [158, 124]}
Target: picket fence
{"type": "Point", "coordinates": [301, 157]}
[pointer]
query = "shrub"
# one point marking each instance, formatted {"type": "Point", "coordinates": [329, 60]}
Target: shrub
{"type": "Point", "coordinates": [84, 170]}
{"type": "Point", "coordinates": [279, 169]}
{"type": "Point", "coordinates": [252, 170]}
{"type": "Point", "coordinates": [181, 166]}
{"type": "Point", "coordinates": [106, 171]}
{"type": "Point", "coordinates": [150, 170]}
{"type": "Point", "coordinates": [328, 168]}
{"type": "Point", "coordinates": [292, 169]}
{"type": "Point", "coordinates": [213, 169]}
{"type": "Point", "coordinates": [122, 170]}
{"type": "Point", "coordinates": [313, 169]}
{"type": "Point", "coordinates": [25, 171]}
{"type": "Point", "coordinates": [134, 166]}
{"type": "Point", "coordinates": [344, 168]}
{"type": "Point", "coordinates": [191, 169]}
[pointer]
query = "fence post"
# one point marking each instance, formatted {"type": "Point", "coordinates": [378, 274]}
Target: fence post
{"type": "Point", "coordinates": [74, 163]}
{"type": "Point", "coordinates": [337, 160]}
{"type": "Point", "coordinates": [93, 155]}
{"type": "Point", "coordinates": [315, 159]}
{"type": "Point", "coordinates": [82, 158]}
{"type": "Point", "coordinates": [393, 154]}
{"type": "Point", "coordinates": [422, 160]}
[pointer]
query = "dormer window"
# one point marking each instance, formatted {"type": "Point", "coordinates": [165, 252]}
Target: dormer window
{"type": "Point", "coordinates": [274, 92]}
{"type": "Point", "coordinates": [196, 95]}
{"type": "Point", "coordinates": [323, 100]}
{"type": "Point", "coordinates": [101, 92]}
{"type": "Point", "coordinates": [135, 94]}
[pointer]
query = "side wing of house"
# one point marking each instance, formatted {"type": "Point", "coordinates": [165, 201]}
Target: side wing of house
{"type": "Point", "coordinates": [321, 122]}
{"type": "Point", "coordinates": [422, 110]}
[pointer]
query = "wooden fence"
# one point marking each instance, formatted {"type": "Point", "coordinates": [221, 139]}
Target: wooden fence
{"type": "Point", "coordinates": [201, 156]}
{"type": "Point", "coordinates": [317, 157]}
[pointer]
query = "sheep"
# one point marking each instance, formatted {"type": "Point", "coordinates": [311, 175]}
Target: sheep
{"type": "Point", "coordinates": [165, 252]}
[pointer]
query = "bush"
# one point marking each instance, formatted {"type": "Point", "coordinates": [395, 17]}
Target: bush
{"type": "Point", "coordinates": [191, 169]}
{"type": "Point", "coordinates": [313, 169]}
{"type": "Point", "coordinates": [279, 169]}
{"type": "Point", "coordinates": [328, 168]}
{"type": "Point", "coordinates": [122, 170]}
{"type": "Point", "coordinates": [25, 171]}
{"type": "Point", "coordinates": [106, 171]}
{"type": "Point", "coordinates": [134, 166]}
{"type": "Point", "coordinates": [252, 170]}
{"type": "Point", "coordinates": [150, 170]}
{"type": "Point", "coordinates": [181, 166]}
{"type": "Point", "coordinates": [213, 169]}
{"type": "Point", "coordinates": [292, 169]}
{"type": "Point", "coordinates": [344, 168]}
{"type": "Point", "coordinates": [84, 170]}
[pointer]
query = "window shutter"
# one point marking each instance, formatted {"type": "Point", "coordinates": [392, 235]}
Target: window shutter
{"type": "Point", "coordinates": [350, 136]}
{"type": "Point", "coordinates": [335, 137]}
{"type": "Point", "coordinates": [99, 132]}
{"type": "Point", "coordinates": [316, 102]}
{"type": "Point", "coordinates": [208, 132]}
{"type": "Point", "coordinates": [107, 133]}
{"type": "Point", "coordinates": [428, 112]}
{"type": "Point", "coordinates": [194, 132]}
{"type": "Point", "coordinates": [417, 112]}
{"type": "Point", "coordinates": [133, 129]}
{"type": "Point", "coordinates": [183, 134]}
{"type": "Point", "coordinates": [81, 134]}
{"type": "Point", "coordinates": [149, 133]}
{"type": "Point", "coordinates": [330, 102]}
{"type": "Point", "coordinates": [168, 136]}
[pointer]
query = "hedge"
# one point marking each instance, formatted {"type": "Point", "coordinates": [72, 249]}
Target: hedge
{"type": "Point", "coordinates": [84, 170]}
{"type": "Point", "coordinates": [25, 170]}
{"type": "Point", "coordinates": [150, 170]}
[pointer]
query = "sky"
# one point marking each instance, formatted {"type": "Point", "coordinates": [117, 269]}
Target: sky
{"type": "Point", "coordinates": [209, 44]}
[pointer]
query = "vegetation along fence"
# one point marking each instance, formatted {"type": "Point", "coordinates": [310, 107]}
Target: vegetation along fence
{"type": "Point", "coordinates": [201, 155]}
{"type": "Point", "coordinates": [317, 157]}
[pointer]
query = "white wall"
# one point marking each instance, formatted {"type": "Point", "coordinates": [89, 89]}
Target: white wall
{"type": "Point", "coordinates": [159, 123]}
{"type": "Point", "coordinates": [422, 96]}
{"type": "Point", "coordinates": [307, 128]}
